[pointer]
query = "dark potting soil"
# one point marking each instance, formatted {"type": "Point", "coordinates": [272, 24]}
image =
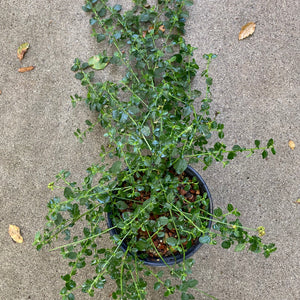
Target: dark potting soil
{"type": "Point", "coordinates": [160, 243]}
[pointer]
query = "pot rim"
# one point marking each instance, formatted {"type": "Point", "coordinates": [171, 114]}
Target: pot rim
{"type": "Point", "coordinates": [171, 260]}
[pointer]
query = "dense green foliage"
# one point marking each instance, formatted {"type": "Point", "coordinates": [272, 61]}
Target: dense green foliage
{"type": "Point", "coordinates": [154, 122]}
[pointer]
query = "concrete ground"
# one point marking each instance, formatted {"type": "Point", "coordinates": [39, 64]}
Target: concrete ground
{"type": "Point", "coordinates": [256, 89]}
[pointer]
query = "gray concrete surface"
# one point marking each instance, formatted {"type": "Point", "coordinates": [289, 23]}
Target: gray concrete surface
{"type": "Point", "coordinates": [256, 89]}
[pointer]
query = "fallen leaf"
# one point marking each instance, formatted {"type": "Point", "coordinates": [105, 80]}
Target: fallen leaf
{"type": "Point", "coordinates": [144, 33]}
{"type": "Point", "coordinates": [162, 28]}
{"type": "Point", "coordinates": [22, 50]}
{"type": "Point", "coordinates": [26, 69]}
{"type": "Point", "coordinates": [297, 201]}
{"type": "Point", "coordinates": [292, 144]}
{"type": "Point", "coordinates": [0, 92]}
{"type": "Point", "coordinates": [247, 30]}
{"type": "Point", "coordinates": [14, 232]}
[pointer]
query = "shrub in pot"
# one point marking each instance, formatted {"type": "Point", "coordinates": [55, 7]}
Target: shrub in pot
{"type": "Point", "coordinates": [159, 209]}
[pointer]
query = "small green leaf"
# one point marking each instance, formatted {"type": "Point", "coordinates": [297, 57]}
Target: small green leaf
{"type": "Point", "coordinates": [161, 234]}
{"type": "Point", "coordinates": [93, 21]}
{"type": "Point", "coordinates": [80, 264]}
{"type": "Point", "coordinates": [204, 239]}
{"type": "Point", "coordinates": [236, 148]}
{"type": "Point", "coordinates": [79, 75]}
{"type": "Point", "coordinates": [133, 110]}
{"type": "Point", "coordinates": [209, 81]}
{"type": "Point", "coordinates": [71, 297]}
{"type": "Point", "coordinates": [162, 221]}
{"type": "Point", "coordinates": [39, 247]}
{"type": "Point", "coordinates": [231, 155]}
{"type": "Point", "coordinates": [270, 143]}
{"type": "Point", "coordinates": [145, 17]}
{"type": "Point", "coordinates": [218, 212]}
{"type": "Point", "coordinates": [63, 291]}
{"type": "Point", "coordinates": [86, 8]}
{"type": "Point", "coordinates": [102, 12]}
{"type": "Point", "coordinates": [264, 154]}
{"type": "Point", "coordinates": [141, 245]}
{"type": "Point", "coordinates": [180, 165]}
{"type": "Point", "coordinates": [185, 296]}
{"type": "Point", "coordinates": [208, 160]}
{"type": "Point", "coordinates": [172, 241]}
{"type": "Point", "coordinates": [257, 143]}
{"type": "Point", "coordinates": [86, 232]}
{"type": "Point", "coordinates": [66, 277]}
{"type": "Point", "coordinates": [221, 134]}
{"type": "Point", "coordinates": [123, 118]}
{"type": "Point", "coordinates": [117, 35]}
{"type": "Point", "coordinates": [71, 255]}
{"type": "Point", "coordinates": [190, 3]}
{"type": "Point", "coordinates": [37, 236]}
{"type": "Point", "coordinates": [84, 66]}
{"type": "Point", "coordinates": [230, 207]}
{"type": "Point", "coordinates": [239, 247]}
{"type": "Point", "coordinates": [75, 68]}
{"type": "Point", "coordinates": [169, 49]}
{"type": "Point", "coordinates": [160, 274]}
{"type": "Point", "coordinates": [121, 205]}
{"type": "Point", "coordinates": [117, 8]}
{"type": "Point", "coordinates": [226, 244]}
{"type": "Point", "coordinates": [116, 167]}
{"type": "Point", "coordinates": [146, 131]}
{"type": "Point", "coordinates": [68, 193]}
{"type": "Point", "coordinates": [192, 283]}
{"type": "Point", "coordinates": [100, 37]}
{"type": "Point", "coordinates": [70, 284]}
{"type": "Point", "coordinates": [156, 286]}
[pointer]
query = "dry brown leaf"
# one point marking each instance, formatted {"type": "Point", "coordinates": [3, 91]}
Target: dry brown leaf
{"type": "Point", "coordinates": [162, 28]}
{"type": "Point", "coordinates": [146, 31]}
{"type": "Point", "coordinates": [292, 144]}
{"type": "Point", "coordinates": [14, 232]}
{"type": "Point", "coordinates": [0, 92]}
{"type": "Point", "coordinates": [247, 30]}
{"type": "Point", "coordinates": [22, 50]}
{"type": "Point", "coordinates": [26, 69]}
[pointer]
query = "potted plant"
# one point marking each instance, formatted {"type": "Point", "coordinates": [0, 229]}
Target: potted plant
{"type": "Point", "coordinates": [159, 209]}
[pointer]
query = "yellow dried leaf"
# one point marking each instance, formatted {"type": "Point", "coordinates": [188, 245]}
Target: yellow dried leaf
{"type": "Point", "coordinates": [292, 144]}
{"type": "Point", "coordinates": [22, 50]}
{"type": "Point", "coordinates": [247, 30]}
{"type": "Point", "coordinates": [297, 201]}
{"type": "Point", "coordinates": [162, 28]}
{"type": "Point", "coordinates": [14, 232]}
{"type": "Point", "coordinates": [26, 69]}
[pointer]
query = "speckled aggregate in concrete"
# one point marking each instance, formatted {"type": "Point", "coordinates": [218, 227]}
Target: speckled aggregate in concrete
{"type": "Point", "coordinates": [256, 89]}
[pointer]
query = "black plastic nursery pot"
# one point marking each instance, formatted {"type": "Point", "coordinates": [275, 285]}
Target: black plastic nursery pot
{"type": "Point", "coordinates": [174, 259]}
